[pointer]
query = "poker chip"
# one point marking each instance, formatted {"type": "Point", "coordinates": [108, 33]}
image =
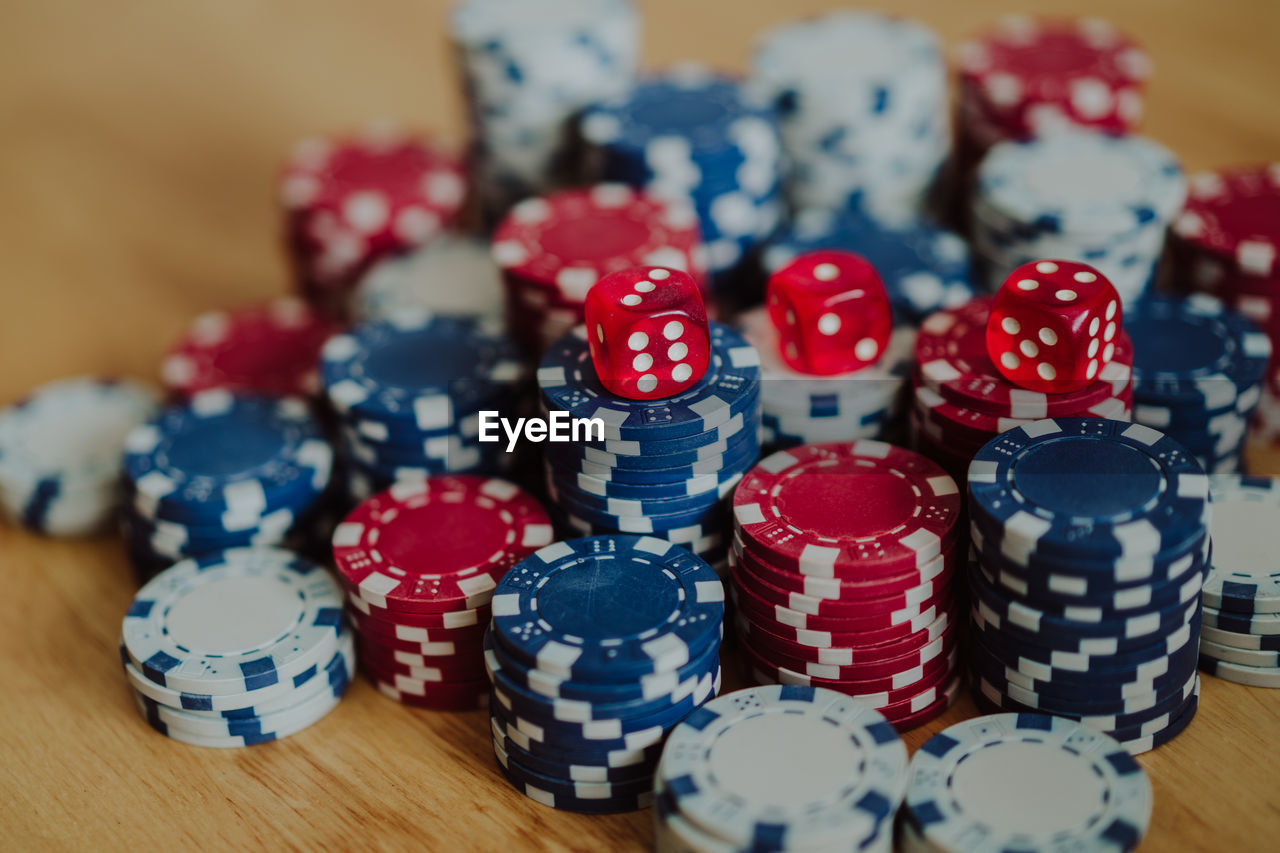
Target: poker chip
{"type": "Point", "coordinates": [787, 768]}
{"type": "Point", "coordinates": [452, 274]}
{"type": "Point", "coordinates": [693, 135]}
{"type": "Point", "coordinates": [1090, 551]}
{"type": "Point", "coordinates": [1242, 577]}
{"type": "Point", "coordinates": [350, 201]}
{"type": "Point", "coordinates": [1107, 200]}
{"type": "Point", "coordinates": [863, 109]}
{"type": "Point", "coordinates": [60, 449]}
{"type": "Point", "coordinates": [976, 786]}
{"type": "Point", "coordinates": [598, 647]}
{"type": "Point", "coordinates": [553, 248]}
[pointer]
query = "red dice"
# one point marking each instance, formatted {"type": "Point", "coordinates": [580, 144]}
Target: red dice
{"type": "Point", "coordinates": [831, 311]}
{"type": "Point", "coordinates": [1053, 326]}
{"type": "Point", "coordinates": [647, 330]}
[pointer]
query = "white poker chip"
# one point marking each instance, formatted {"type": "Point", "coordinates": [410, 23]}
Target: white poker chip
{"type": "Point", "coordinates": [788, 767]}
{"type": "Point", "coordinates": [1244, 576]}
{"type": "Point", "coordinates": [1026, 782]}
{"type": "Point", "coordinates": [240, 620]}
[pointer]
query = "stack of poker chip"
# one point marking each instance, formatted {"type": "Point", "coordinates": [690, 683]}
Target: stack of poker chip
{"type": "Point", "coordinates": [527, 70]}
{"type": "Point", "coordinates": [450, 275]}
{"type": "Point", "coordinates": [420, 562]}
{"type": "Point", "coordinates": [780, 768]}
{"type": "Point", "coordinates": [1002, 778]}
{"type": "Point", "coordinates": [599, 646]}
{"type": "Point", "coordinates": [863, 108]}
{"type": "Point", "coordinates": [60, 452]}
{"type": "Point", "coordinates": [664, 466]}
{"type": "Point", "coordinates": [799, 408]}
{"type": "Point", "coordinates": [408, 391]}
{"type": "Point", "coordinates": [553, 249]}
{"type": "Point", "coordinates": [272, 348]}
{"type": "Point", "coordinates": [1091, 542]}
{"type": "Point", "coordinates": [1103, 200]}
{"type": "Point", "coordinates": [843, 562]}
{"type": "Point", "coordinates": [1240, 640]}
{"type": "Point", "coordinates": [924, 268]}
{"type": "Point", "coordinates": [353, 200]}
{"type": "Point", "coordinates": [1034, 77]}
{"type": "Point", "coordinates": [694, 135]}
{"type": "Point", "coordinates": [220, 471]}
{"type": "Point", "coordinates": [1198, 373]}
{"type": "Point", "coordinates": [961, 401]}
{"type": "Point", "coordinates": [1227, 242]}
{"type": "Point", "coordinates": [238, 647]}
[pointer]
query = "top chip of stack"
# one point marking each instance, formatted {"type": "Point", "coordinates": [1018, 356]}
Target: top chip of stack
{"type": "Point", "coordinates": [450, 275]}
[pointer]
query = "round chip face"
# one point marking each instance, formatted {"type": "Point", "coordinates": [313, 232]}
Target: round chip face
{"type": "Point", "coordinates": [233, 622]}
{"type": "Point", "coordinates": [568, 241]}
{"type": "Point", "coordinates": [609, 608]}
{"type": "Point", "coordinates": [271, 349]}
{"type": "Point", "coordinates": [1236, 214]}
{"type": "Point", "coordinates": [1094, 488]}
{"type": "Point", "coordinates": [223, 453]}
{"type": "Point", "coordinates": [1244, 577]}
{"type": "Point", "coordinates": [786, 766]}
{"type": "Point", "coordinates": [730, 386]}
{"type": "Point", "coordinates": [981, 786]}
{"type": "Point", "coordinates": [437, 545]}
{"type": "Point", "coordinates": [835, 510]}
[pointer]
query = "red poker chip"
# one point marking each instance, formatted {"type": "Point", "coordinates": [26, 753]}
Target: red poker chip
{"type": "Point", "coordinates": [843, 656]}
{"type": "Point", "coordinates": [567, 241]}
{"type": "Point", "coordinates": [388, 663]}
{"type": "Point", "coordinates": [272, 348]}
{"type": "Point", "coordinates": [432, 695]}
{"type": "Point", "coordinates": [437, 545]}
{"type": "Point", "coordinates": [448, 620]}
{"type": "Point", "coordinates": [835, 590]}
{"type": "Point", "coordinates": [876, 692]}
{"type": "Point", "coordinates": [370, 627]}
{"type": "Point", "coordinates": [436, 649]}
{"type": "Point", "coordinates": [975, 429]}
{"type": "Point", "coordinates": [856, 510]}
{"type": "Point", "coordinates": [1035, 74]}
{"type": "Point", "coordinates": [908, 718]}
{"type": "Point", "coordinates": [762, 611]}
{"type": "Point", "coordinates": [952, 361]}
{"type": "Point", "coordinates": [844, 639]}
{"type": "Point", "coordinates": [351, 201]}
{"type": "Point", "coordinates": [774, 596]}
{"type": "Point", "coordinates": [1236, 214]}
{"type": "Point", "coordinates": [940, 646]}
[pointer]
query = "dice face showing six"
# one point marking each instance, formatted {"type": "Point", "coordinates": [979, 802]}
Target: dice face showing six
{"type": "Point", "coordinates": [647, 331]}
{"type": "Point", "coordinates": [831, 311]}
{"type": "Point", "coordinates": [1053, 326]}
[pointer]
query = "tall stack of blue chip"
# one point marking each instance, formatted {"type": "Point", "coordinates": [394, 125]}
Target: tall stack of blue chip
{"type": "Point", "coordinates": [924, 268]}
{"type": "Point", "coordinates": [1198, 371]}
{"type": "Point", "coordinates": [695, 135]}
{"type": "Point", "coordinates": [1102, 200]}
{"type": "Point", "coordinates": [1091, 545]}
{"type": "Point", "coordinates": [223, 471]}
{"type": "Point", "coordinates": [664, 466]}
{"type": "Point", "coordinates": [598, 648]}
{"type": "Point", "coordinates": [408, 391]}
{"type": "Point", "coordinates": [864, 111]}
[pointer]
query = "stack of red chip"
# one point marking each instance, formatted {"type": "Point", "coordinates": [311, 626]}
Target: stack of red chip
{"type": "Point", "coordinates": [961, 401]}
{"type": "Point", "coordinates": [843, 575]}
{"type": "Point", "coordinates": [1028, 77]}
{"type": "Point", "coordinates": [1227, 242]}
{"type": "Point", "coordinates": [272, 348]}
{"type": "Point", "coordinates": [419, 563]}
{"type": "Point", "coordinates": [348, 202]}
{"type": "Point", "coordinates": [552, 249]}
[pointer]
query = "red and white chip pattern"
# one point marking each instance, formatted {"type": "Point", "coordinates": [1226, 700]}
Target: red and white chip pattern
{"type": "Point", "coordinates": [419, 563]}
{"type": "Point", "coordinates": [552, 249]}
{"type": "Point", "coordinates": [841, 575]}
{"type": "Point", "coordinates": [272, 348]}
{"type": "Point", "coordinates": [350, 201]}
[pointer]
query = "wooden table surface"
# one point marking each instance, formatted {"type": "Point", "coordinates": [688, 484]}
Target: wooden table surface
{"type": "Point", "coordinates": [137, 152]}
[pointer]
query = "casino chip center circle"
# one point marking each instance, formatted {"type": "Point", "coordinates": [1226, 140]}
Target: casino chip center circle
{"type": "Point", "coordinates": [596, 598]}
{"type": "Point", "coordinates": [991, 786]}
{"type": "Point", "coordinates": [1100, 480]}
{"type": "Point", "coordinates": [265, 612]}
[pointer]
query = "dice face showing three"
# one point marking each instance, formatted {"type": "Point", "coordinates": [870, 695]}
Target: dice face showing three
{"type": "Point", "coordinates": [831, 311]}
{"type": "Point", "coordinates": [1053, 326]}
{"type": "Point", "coordinates": [647, 332]}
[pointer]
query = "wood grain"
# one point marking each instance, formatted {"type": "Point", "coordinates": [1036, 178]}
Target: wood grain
{"type": "Point", "coordinates": [137, 154]}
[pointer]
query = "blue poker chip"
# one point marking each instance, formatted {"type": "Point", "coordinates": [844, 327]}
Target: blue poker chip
{"type": "Point", "coordinates": [221, 454]}
{"type": "Point", "coordinates": [418, 370]}
{"type": "Point", "coordinates": [990, 700]}
{"type": "Point", "coordinates": [924, 268]}
{"type": "Point", "coordinates": [730, 386]}
{"type": "Point", "coordinates": [1139, 739]}
{"type": "Point", "coordinates": [707, 516]}
{"type": "Point", "coordinates": [1089, 488]}
{"type": "Point", "coordinates": [570, 771]}
{"type": "Point", "coordinates": [737, 452]}
{"type": "Point", "coordinates": [608, 608]}
{"type": "Point", "coordinates": [731, 432]}
{"type": "Point", "coordinates": [719, 483]}
{"type": "Point", "coordinates": [582, 797]}
{"type": "Point", "coordinates": [636, 506]}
